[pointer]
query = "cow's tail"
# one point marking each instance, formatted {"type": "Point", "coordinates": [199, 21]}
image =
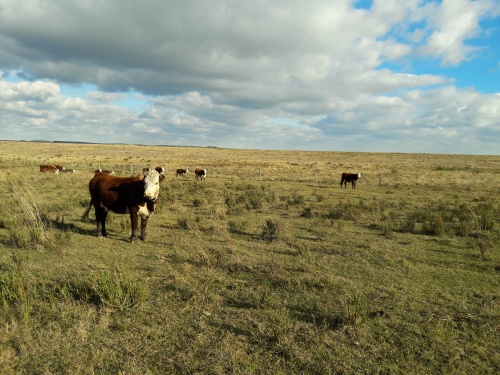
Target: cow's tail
{"type": "Point", "coordinates": [86, 213]}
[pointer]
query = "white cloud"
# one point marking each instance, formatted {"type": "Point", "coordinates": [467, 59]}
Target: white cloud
{"type": "Point", "coordinates": [453, 23]}
{"type": "Point", "coordinates": [215, 73]}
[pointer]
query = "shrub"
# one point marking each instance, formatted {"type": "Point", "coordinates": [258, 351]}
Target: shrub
{"type": "Point", "coordinates": [483, 242]}
{"type": "Point", "coordinates": [272, 230]}
{"type": "Point", "coordinates": [434, 224]}
{"type": "Point", "coordinates": [307, 213]}
{"type": "Point", "coordinates": [409, 222]}
{"type": "Point", "coordinates": [253, 200]}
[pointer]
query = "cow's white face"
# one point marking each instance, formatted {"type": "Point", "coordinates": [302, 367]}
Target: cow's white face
{"type": "Point", "coordinates": [359, 175]}
{"type": "Point", "coordinates": [151, 184]}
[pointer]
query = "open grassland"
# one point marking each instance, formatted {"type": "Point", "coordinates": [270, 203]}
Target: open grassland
{"type": "Point", "coordinates": [268, 267]}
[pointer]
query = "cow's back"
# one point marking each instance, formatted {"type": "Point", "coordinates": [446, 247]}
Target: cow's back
{"type": "Point", "coordinates": [116, 193]}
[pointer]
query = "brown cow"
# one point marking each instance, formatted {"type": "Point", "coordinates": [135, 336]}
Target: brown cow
{"type": "Point", "coordinates": [350, 177]}
{"type": "Point", "coordinates": [181, 172]}
{"type": "Point", "coordinates": [200, 174]}
{"type": "Point", "coordinates": [134, 195]}
{"type": "Point", "coordinates": [106, 171]}
{"type": "Point", "coordinates": [47, 168]}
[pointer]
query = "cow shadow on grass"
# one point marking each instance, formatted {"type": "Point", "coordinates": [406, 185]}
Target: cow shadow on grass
{"type": "Point", "coordinates": [63, 226]}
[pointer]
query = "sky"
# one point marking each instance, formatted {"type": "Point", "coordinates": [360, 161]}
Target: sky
{"type": "Point", "coordinates": [322, 75]}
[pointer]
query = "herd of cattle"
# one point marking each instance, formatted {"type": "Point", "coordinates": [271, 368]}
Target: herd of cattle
{"type": "Point", "coordinates": [137, 195]}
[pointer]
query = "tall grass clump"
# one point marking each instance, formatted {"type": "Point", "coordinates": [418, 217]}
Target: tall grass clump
{"type": "Point", "coordinates": [29, 227]}
{"type": "Point", "coordinates": [484, 242]}
{"type": "Point", "coordinates": [112, 290]}
{"type": "Point", "coordinates": [434, 224]}
{"type": "Point", "coordinates": [272, 230]}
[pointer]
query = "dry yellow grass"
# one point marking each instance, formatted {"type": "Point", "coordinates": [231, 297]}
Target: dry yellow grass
{"type": "Point", "coordinates": [397, 276]}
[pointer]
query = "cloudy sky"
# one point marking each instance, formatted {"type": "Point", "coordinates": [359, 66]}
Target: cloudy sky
{"type": "Point", "coordinates": [332, 75]}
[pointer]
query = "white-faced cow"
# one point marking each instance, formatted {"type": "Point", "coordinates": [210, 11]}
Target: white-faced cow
{"type": "Point", "coordinates": [200, 174]}
{"type": "Point", "coordinates": [181, 172]}
{"type": "Point", "coordinates": [47, 168]}
{"type": "Point", "coordinates": [134, 195]}
{"type": "Point", "coordinates": [61, 168]}
{"type": "Point", "coordinates": [350, 177]}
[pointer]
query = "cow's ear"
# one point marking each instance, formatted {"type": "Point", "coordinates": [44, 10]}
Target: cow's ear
{"type": "Point", "coordinates": [162, 177]}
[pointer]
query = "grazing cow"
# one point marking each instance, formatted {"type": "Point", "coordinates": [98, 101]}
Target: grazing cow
{"type": "Point", "coordinates": [200, 174]}
{"type": "Point", "coordinates": [60, 167]}
{"type": "Point", "coordinates": [181, 172]}
{"type": "Point", "coordinates": [49, 169]}
{"type": "Point", "coordinates": [134, 195]}
{"type": "Point", "coordinates": [350, 177]}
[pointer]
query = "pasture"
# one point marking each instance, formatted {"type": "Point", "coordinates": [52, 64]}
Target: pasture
{"type": "Point", "coordinates": [266, 267]}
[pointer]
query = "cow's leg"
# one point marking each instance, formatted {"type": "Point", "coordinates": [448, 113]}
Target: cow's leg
{"type": "Point", "coordinates": [133, 222]}
{"type": "Point", "coordinates": [86, 213]}
{"type": "Point", "coordinates": [101, 214]}
{"type": "Point", "coordinates": [144, 223]}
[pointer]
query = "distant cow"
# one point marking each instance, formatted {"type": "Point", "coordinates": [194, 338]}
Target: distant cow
{"type": "Point", "coordinates": [46, 168]}
{"type": "Point", "coordinates": [181, 172]}
{"type": "Point", "coordinates": [106, 171]}
{"type": "Point", "coordinates": [200, 174]}
{"type": "Point", "coordinates": [134, 195]}
{"type": "Point", "coordinates": [350, 177]}
{"type": "Point", "coordinates": [60, 167]}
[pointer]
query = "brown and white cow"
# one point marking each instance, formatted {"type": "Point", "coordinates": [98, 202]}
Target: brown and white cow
{"type": "Point", "coordinates": [200, 174]}
{"type": "Point", "coordinates": [350, 177]}
{"type": "Point", "coordinates": [47, 168]}
{"type": "Point", "coordinates": [134, 195]}
{"type": "Point", "coordinates": [60, 167]}
{"type": "Point", "coordinates": [181, 172]}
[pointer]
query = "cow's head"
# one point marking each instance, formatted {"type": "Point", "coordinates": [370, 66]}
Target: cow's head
{"type": "Point", "coordinates": [152, 184]}
{"type": "Point", "coordinates": [359, 175]}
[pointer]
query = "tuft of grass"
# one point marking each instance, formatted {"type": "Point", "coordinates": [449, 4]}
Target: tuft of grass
{"type": "Point", "coordinates": [272, 230]}
{"type": "Point", "coordinates": [29, 227]}
{"type": "Point", "coordinates": [112, 290]}
{"type": "Point", "coordinates": [237, 226]}
{"type": "Point", "coordinates": [306, 213]}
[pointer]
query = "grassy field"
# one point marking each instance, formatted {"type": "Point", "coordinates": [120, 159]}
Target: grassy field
{"type": "Point", "coordinates": [268, 267]}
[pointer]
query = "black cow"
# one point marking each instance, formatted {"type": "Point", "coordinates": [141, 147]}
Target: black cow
{"type": "Point", "coordinates": [349, 177]}
{"type": "Point", "coordinates": [200, 174]}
